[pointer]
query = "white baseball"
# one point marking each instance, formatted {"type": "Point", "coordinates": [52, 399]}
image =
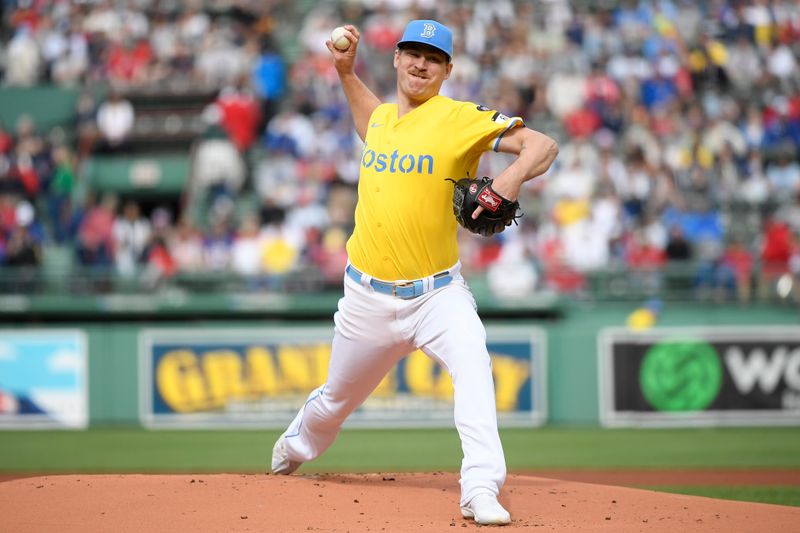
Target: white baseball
{"type": "Point", "coordinates": [339, 40]}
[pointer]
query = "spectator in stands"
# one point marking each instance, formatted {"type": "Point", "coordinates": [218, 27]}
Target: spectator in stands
{"type": "Point", "coordinates": [744, 67]}
{"type": "Point", "coordinates": [279, 253]}
{"type": "Point", "coordinates": [737, 263]}
{"type": "Point", "coordinates": [23, 254]}
{"type": "Point", "coordinates": [645, 261]}
{"type": "Point", "coordinates": [658, 91]}
{"type": "Point", "coordinates": [776, 251]}
{"type": "Point", "coordinates": [52, 43]}
{"type": "Point", "coordinates": [268, 79]}
{"type": "Point", "coordinates": [160, 266]}
{"type": "Point", "coordinates": [246, 250]}
{"type": "Point", "coordinates": [674, 108]}
{"type": "Point", "coordinates": [721, 131]}
{"type": "Point", "coordinates": [8, 214]}
{"type": "Point", "coordinates": [585, 249]}
{"type": "Point", "coordinates": [326, 250]}
{"type": "Point", "coordinates": [781, 64]}
{"type": "Point", "coordinates": [635, 190]}
{"type": "Point", "coordinates": [707, 60]}
{"type": "Point", "coordinates": [128, 60]}
{"type": "Point", "coordinates": [61, 184]}
{"type": "Point", "coordinates": [240, 114]}
{"type": "Point", "coordinates": [218, 242]}
{"type": "Point", "coordinates": [164, 41]}
{"type": "Point", "coordinates": [24, 174]}
{"type": "Point", "coordinates": [727, 173]}
{"type": "Point", "coordinates": [70, 66]}
{"type": "Point", "coordinates": [292, 129]}
{"type": "Point", "coordinates": [23, 60]}
{"type": "Point", "coordinates": [559, 275]}
{"type": "Point", "coordinates": [158, 262]}
{"type": "Point", "coordinates": [66, 226]}
{"type": "Point", "coordinates": [755, 189]}
{"type": "Point", "coordinates": [6, 140]}
{"type": "Point", "coordinates": [575, 178]}
{"type": "Point", "coordinates": [678, 249]}
{"type": "Point", "coordinates": [95, 246]}
{"type": "Point", "coordinates": [513, 274]}
{"type": "Point", "coordinates": [752, 126]}
{"type": "Point", "coordinates": [784, 175]}
{"type": "Point", "coordinates": [28, 138]}
{"type": "Point", "coordinates": [274, 178]}
{"type": "Point", "coordinates": [131, 232]}
{"type": "Point", "coordinates": [219, 61]}
{"type": "Point", "coordinates": [218, 167]}
{"type": "Point", "coordinates": [103, 19]}
{"type": "Point", "coordinates": [639, 143]}
{"type": "Point", "coordinates": [781, 129]}
{"type": "Point", "coordinates": [115, 120]}
{"type": "Point", "coordinates": [25, 216]}
{"type": "Point", "coordinates": [186, 246]}
{"type": "Point", "coordinates": [713, 279]}
{"type": "Point", "coordinates": [8, 186]}
{"type": "Point", "coordinates": [193, 25]}
{"type": "Point", "coordinates": [84, 123]}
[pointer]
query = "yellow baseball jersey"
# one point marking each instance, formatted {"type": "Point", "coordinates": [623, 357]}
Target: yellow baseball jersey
{"type": "Point", "coordinates": [405, 228]}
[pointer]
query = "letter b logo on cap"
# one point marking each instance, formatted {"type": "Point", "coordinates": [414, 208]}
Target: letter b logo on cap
{"type": "Point", "coordinates": [431, 33]}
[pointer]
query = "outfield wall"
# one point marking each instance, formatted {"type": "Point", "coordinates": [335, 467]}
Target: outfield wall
{"type": "Point", "coordinates": [567, 353]}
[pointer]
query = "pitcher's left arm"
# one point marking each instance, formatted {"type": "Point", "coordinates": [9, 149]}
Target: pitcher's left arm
{"type": "Point", "coordinates": [535, 153]}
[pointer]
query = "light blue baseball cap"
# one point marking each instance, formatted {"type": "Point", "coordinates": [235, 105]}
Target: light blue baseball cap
{"type": "Point", "coordinates": [429, 32]}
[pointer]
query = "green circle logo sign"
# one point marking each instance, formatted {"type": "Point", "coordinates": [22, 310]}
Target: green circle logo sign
{"type": "Point", "coordinates": [680, 376]}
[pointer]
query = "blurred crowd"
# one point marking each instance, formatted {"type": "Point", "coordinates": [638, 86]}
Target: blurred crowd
{"type": "Point", "coordinates": [678, 124]}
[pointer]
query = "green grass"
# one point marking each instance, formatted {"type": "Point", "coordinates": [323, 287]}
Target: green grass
{"type": "Point", "coordinates": [654, 448]}
{"type": "Point", "coordinates": [780, 495]}
{"type": "Point", "coordinates": [137, 450]}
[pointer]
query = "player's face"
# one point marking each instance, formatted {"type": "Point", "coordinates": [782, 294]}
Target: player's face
{"type": "Point", "coordinates": [421, 70]}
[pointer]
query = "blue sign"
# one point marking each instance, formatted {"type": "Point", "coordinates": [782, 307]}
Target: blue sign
{"type": "Point", "coordinates": [43, 379]}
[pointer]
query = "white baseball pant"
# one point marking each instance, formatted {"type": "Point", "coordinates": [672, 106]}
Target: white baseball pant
{"type": "Point", "coordinates": [373, 332]}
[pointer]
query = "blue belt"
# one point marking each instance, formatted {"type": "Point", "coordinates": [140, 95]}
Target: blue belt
{"type": "Point", "coordinates": [402, 289]}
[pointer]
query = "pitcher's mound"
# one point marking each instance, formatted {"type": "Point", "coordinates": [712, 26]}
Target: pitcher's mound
{"type": "Point", "coordinates": [356, 502]}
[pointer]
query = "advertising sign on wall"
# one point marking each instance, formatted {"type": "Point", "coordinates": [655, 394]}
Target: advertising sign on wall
{"type": "Point", "coordinates": [43, 379]}
{"type": "Point", "coordinates": [260, 378]}
{"type": "Point", "coordinates": [700, 376]}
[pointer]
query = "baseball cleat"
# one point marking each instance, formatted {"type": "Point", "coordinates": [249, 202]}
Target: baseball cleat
{"type": "Point", "coordinates": [486, 510]}
{"type": "Point", "coordinates": [281, 464]}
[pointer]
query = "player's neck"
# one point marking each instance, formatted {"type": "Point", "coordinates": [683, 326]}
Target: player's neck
{"type": "Point", "coordinates": [405, 104]}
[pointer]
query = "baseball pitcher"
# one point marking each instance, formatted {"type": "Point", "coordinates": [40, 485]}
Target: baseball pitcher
{"type": "Point", "coordinates": [402, 287]}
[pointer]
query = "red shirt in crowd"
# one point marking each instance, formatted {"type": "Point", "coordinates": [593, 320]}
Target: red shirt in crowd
{"type": "Point", "coordinates": [644, 256]}
{"type": "Point", "coordinates": [777, 248]}
{"type": "Point", "coordinates": [739, 260]}
{"type": "Point", "coordinates": [241, 115]}
{"type": "Point", "coordinates": [6, 142]}
{"type": "Point", "coordinates": [26, 174]}
{"type": "Point", "coordinates": [129, 63]}
{"type": "Point", "coordinates": [96, 227]}
{"type": "Point", "coordinates": [162, 260]}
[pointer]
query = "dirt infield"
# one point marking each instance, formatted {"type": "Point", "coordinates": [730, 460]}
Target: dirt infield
{"type": "Point", "coordinates": [356, 502]}
{"type": "Point", "coordinates": [685, 477]}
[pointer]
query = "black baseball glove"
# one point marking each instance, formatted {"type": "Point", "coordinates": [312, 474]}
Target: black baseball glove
{"type": "Point", "coordinates": [497, 211]}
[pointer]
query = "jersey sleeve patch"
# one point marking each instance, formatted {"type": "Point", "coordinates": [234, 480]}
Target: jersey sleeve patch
{"type": "Point", "coordinates": [481, 127]}
{"type": "Point", "coordinates": [500, 118]}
